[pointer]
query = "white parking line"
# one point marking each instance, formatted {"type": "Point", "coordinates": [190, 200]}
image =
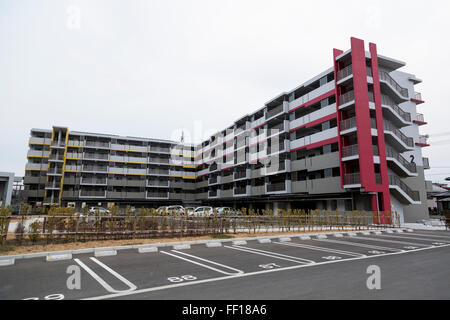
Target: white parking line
{"type": "Point", "coordinates": [413, 238]}
{"type": "Point", "coordinates": [430, 235]}
{"type": "Point", "coordinates": [362, 245]}
{"type": "Point", "coordinates": [105, 285]}
{"type": "Point", "coordinates": [209, 261]}
{"type": "Point", "coordinates": [306, 246]}
{"type": "Point", "coordinates": [202, 264]}
{"type": "Point", "coordinates": [392, 241]}
{"type": "Point", "coordinates": [272, 254]}
{"type": "Point", "coordinates": [249, 274]}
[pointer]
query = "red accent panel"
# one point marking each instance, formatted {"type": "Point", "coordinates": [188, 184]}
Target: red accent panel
{"type": "Point", "coordinates": [315, 122]}
{"type": "Point", "coordinates": [337, 53]}
{"type": "Point", "coordinates": [386, 200]}
{"type": "Point", "coordinates": [318, 144]}
{"type": "Point", "coordinates": [313, 101]}
{"type": "Point", "coordinates": [259, 126]}
{"type": "Point", "coordinates": [362, 111]}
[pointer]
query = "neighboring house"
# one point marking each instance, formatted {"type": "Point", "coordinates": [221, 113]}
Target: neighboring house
{"type": "Point", "coordinates": [6, 188]}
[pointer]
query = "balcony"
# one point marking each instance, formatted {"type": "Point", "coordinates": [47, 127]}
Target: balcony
{"type": "Point", "coordinates": [277, 187]}
{"type": "Point", "coordinates": [92, 193]}
{"type": "Point", "coordinates": [157, 195]}
{"type": "Point", "coordinates": [96, 144]}
{"type": "Point", "coordinates": [348, 124]}
{"type": "Point", "coordinates": [423, 141]}
{"type": "Point", "coordinates": [241, 175]}
{"type": "Point", "coordinates": [159, 149]}
{"type": "Point", "coordinates": [93, 181]}
{"type": "Point", "coordinates": [405, 142]}
{"type": "Point", "coordinates": [406, 166]}
{"type": "Point", "coordinates": [157, 183]}
{"type": "Point", "coordinates": [346, 98]}
{"type": "Point", "coordinates": [38, 140]}
{"type": "Point", "coordinates": [214, 193]}
{"type": "Point", "coordinates": [241, 191]}
{"type": "Point", "coordinates": [274, 111]}
{"type": "Point", "coordinates": [350, 151]}
{"type": "Point", "coordinates": [344, 73]}
{"type": "Point", "coordinates": [214, 180]}
{"type": "Point", "coordinates": [157, 172]}
{"type": "Point", "coordinates": [38, 154]}
{"type": "Point", "coordinates": [426, 163]}
{"type": "Point", "coordinates": [386, 78]}
{"type": "Point", "coordinates": [58, 145]}
{"type": "Point", "coordinates": [420, 120]}
{"type": "Point", "coordinates": [258, 122]}
{"type": "Point", "coordinates": [352, 179]}
{"type": "Point", "coordinates": [388, 103]}
{"type": "Point", "coordinates": [417, 98]}
{"type": "Point", "coordinates": [96, 156]}
{"type": "Point", "coordinates": [95, 168]}
{"type": "Point", "coordinates": [405, 193]}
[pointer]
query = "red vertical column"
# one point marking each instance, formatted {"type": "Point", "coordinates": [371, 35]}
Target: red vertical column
{"type": "Point", "coordinates": [384, 187]}
{"type": "Point", "coordinates": [362, 111]}
{"type": "Point", "coordinates": [336, 53]}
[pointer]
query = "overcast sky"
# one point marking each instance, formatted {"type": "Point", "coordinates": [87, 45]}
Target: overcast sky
{"type": "Point", "coordinates": [151, 68]}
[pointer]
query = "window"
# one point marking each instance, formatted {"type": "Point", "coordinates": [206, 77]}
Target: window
{"type": "Point", "coordinates": [328, 173]}
{"type": "Point", "coordinates": [323, 81]}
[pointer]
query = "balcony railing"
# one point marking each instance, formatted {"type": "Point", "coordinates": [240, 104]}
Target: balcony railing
{"type": "Point", "coordinates": [344, 73]}
{"type": "Point", "coordinates": [53, 185]}
{"type": "Point", "coordinates": [212, 180]}
{"type": "Point", "coordinates": [426, 163]}
{"type": "Point", "coordinates": [95, 156]}
{"type": "Point", "coordinates": [212, 193]}
{"type": "Point", "coordinates": [352, 179]}
{"type": "Point", "coordinates": [418, 96]}
{"type": "Point", "coordinates": [406, 140]}
{"type": "Point", "coordinates": [274, 111]}
{"type": "Point", "coordinates": [391, 153]}
{"type": "Point", "coordinates": [346, 97]}
{"type": "Point", "coordinates": [56, 157]}
{"type": "Point", "coordinates": [158, 172]}
{"type": "Point", "coordinates": [385, 100]}
{"type": "Point", "coordinates": [384, 76]}
{"type": "Point", "coordinates": [54, 171]}
{"type": "Point", "coordinates": [348, 124]}
{"type": "Point", "coordinates": [420, 118]}
{"type": "Point", "coordinates": [95, 168]}
{"type": "Point", "coordinates": [396, 181]}
{"type": "Point", "coordinates": [93, 181]}
{"type": "Point", "coordinates": [377, 178]}
{"type": "Point", "coordinates": [93, 193]}
{"type": "Point", "coordinates": [423, 140]}
{"type": "Point", "coordinates": [349, 151]}
{"type": "Point", "coordinates": [275, 187]}
{"type": "Point", "coordinates": [240, 175]}
{"type": "Point", "coordinates": [159, 149]}
{"type": "Point", "coordinates": [97, 144]}
{"type": "Point", "coordinates": [154, 194]}
{"type": "Point", "coordinates": [240, 190]}
{"type": "Point", "coordinates": [58, 144]}
{"type": "Point", "coordinates": [157, 183]}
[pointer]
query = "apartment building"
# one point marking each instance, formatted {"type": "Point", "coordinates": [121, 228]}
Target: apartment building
{"type": "Point", "coordinates": [346, 139]}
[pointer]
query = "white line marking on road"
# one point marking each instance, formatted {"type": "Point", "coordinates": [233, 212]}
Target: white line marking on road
{"type": "Point", "coordinates": [209, 261]}
{"type": "Point", "coordinates": [362, 245]}
{"type": "Point", "coordinates": [103, 282]}
{"type": "Point", "coordinates": [199, 264]}
{"type": "Point", "coordinates": [430, 235]}
{"type": "Point", "coordinates": [250, 274]}
{"type": "Point", "coordinates": [413, 238]}
{"type": "Point", "coordinates": [272, 254]}
{"type": "Point", "coordinates": [306, 246]}
{"type": "Point", "coordinates": [392, 241]}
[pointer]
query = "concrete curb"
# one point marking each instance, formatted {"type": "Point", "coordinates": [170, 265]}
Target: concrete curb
{"type": "Point", "coordinates": [58, 257]}
{"type": "Point", "coordinates": [264, 240]}
{"type": "Point", "coordinates": [338, 235]}
{"type": "Point", "coordinates": [234, 241]}
{"type": "Point", "coordinates": [105, 253]}
{"type": "Point", "coordinates": [213, 244]}
{"type": "Point", "coordinates": [284, 239]}
{"type": "Point", "coordinates": [181, 246]}
{"type": "Point", "coordinates": [321, 236]}
{"type": "Point", "coordinates": [148, 249]}
{"type": "Point", "coordinates": [7, 262]}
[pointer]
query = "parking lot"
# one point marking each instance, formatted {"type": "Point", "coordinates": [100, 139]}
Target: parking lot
{"type": "Point", "coordinates": [331, 266]}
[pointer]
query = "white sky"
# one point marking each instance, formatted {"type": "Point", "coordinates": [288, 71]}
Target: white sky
{"type": "Point", "coordinates": [149, 68]}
